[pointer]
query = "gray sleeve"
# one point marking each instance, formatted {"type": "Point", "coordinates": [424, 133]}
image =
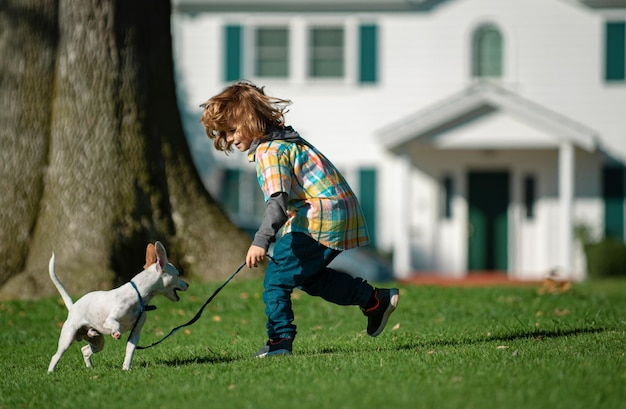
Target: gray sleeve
{"type": "Point", "coordinates": [274, 218]}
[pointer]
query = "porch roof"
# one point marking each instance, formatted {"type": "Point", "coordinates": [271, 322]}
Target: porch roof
{"type": "Point", "coordinates": [486, 116]}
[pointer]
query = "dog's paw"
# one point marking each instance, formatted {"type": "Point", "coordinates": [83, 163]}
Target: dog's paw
{"type": "Point", "coordinates": [116, 334]}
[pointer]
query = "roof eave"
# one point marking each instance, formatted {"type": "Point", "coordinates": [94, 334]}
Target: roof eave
{"type": "Point", "coordinates": [481, 99]}
{"type": "Point", "coordinates": [299, 6]}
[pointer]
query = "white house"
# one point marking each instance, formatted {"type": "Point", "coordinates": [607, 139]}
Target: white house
{"type": "Point", "coordinates": [477, 133]}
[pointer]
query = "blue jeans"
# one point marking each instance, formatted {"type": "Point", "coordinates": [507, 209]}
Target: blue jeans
{"type": "Point", "coordinates": [301, 262]}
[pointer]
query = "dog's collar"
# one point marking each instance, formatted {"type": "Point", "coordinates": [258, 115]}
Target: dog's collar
{"type": "Point", "coordinates": [141, 304]}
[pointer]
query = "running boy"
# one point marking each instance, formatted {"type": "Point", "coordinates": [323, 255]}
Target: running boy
{"type": "Point", "coordinates": [309, 199]}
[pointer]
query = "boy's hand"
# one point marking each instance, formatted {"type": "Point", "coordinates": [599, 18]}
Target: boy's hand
{"type": "Point", "coordinates": [255, 255]}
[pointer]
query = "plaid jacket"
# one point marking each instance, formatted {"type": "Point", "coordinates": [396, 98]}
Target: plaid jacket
{"type": "Point", "coordinates": [321, 203]}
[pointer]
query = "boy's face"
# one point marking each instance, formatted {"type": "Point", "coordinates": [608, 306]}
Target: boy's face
{"type": "Point", "coordinates": [238, 140]}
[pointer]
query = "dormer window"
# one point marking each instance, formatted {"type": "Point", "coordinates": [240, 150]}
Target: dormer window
{"type": "Point", "coordinates": [487, 52]}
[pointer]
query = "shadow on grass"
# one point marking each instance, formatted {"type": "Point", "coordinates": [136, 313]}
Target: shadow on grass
{"type": "Point", "coordinates": [455, 341]}
{"type": "Point", "coordinates": [211, 358]}
{"type": "Point", "coordinates": [537, 335]}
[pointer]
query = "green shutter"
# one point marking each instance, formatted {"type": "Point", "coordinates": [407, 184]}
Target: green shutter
{"type": "Point", "coordinates": [613, 193]}
{"type": "Point", "coordinates": [232, 53]}
{"type": "Point", "coordinates": [367, 200]}
{"type": "Point", "coordinates": [615, 51]}
{"type": "Point", "coordinates": [368, 54]}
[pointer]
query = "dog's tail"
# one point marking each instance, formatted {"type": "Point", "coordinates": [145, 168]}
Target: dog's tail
{"type": "Point", "coordinates": [57, 283]}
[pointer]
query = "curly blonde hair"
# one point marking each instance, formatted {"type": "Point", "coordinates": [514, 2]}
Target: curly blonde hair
{"type": "Point", "coordinates": [245, 107]}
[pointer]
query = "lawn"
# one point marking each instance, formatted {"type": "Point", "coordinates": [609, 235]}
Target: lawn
{"type": "Point", "coordinates": [499, 347]}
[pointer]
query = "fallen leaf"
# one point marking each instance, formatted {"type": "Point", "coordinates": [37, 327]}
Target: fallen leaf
{"type": "Point", "coordinates": [395, 327]}
{"type": "Point", "coordinates": [559, 312]}
{"type": "Point", "coordinates": [502, 347]}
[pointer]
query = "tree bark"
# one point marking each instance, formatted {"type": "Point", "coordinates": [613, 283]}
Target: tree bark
{"type": "Point", "coordinates": [116, 171]}
{"type": "Point", "coordinates": [28, 36]}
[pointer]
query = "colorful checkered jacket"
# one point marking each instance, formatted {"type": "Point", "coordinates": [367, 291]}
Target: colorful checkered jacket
{"type": "Point", "coordinates": [321, 203]}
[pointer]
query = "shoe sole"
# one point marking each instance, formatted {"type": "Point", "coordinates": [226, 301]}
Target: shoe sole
{"type": "Point", "coordinates": [275, 353]}
{"type": "Point", "coordinates": [394, 298]}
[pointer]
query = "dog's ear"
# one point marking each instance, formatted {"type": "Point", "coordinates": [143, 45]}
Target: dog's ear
{"type": "Point", "coordinates": [161, 255]}
{"type": "Point", "coordinates": [151, 256]}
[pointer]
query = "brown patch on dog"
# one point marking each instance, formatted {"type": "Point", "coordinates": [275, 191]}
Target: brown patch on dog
{"type": "Point", "coordinates": [151, 256]}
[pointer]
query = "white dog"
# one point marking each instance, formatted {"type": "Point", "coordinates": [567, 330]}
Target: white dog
{"type": "Point", "coordinates": [121, 309]}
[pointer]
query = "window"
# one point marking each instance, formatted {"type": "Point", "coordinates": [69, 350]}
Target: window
{"type": "Point", "coordinates": [326, 48]}
{"type": "Point", "coordinates": [241, 197]}
{"type": "Point", "coordinates": [615, 58]}
{"type": "Point", "coordinates": [529, 196]}
{"type": "Point", "coordinates": [229, 190]}
{"type": "Point", "coordinates": [272, 52]}
{"type": "Point", "coordinates": [487, 52]}
{"type": "Point", "coordinates": [446, 200]}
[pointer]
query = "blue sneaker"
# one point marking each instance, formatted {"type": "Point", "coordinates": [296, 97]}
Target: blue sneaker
{"type": "Point", "coordinates": [385, 302]}
{"type": "Point", "coordinates": [278, 346]}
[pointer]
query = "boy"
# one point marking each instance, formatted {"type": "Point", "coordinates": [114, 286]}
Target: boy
{"type": "Point", "coordinates": [309, 199]}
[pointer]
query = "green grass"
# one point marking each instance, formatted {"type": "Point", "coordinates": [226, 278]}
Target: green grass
{"type": "Point", "coordinates": [501, 347]}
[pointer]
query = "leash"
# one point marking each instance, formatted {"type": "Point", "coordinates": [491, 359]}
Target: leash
{"type": "Point", "coordinates": [198, 314]}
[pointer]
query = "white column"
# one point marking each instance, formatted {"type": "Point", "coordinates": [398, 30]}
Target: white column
{"type": "Point", "coordinates": [401, 220]}
{"type": "Point", "coordinates": [566, 200]}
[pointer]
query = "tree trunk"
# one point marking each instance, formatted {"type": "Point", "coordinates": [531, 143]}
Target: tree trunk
{"type": "Point", "coordinates": [28, 36]}
{"type": "Point", "coordinates": [117, 171]}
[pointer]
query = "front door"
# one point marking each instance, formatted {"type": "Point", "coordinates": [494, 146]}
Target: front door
{"type": "Point", "coordinates": [488, 197]}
